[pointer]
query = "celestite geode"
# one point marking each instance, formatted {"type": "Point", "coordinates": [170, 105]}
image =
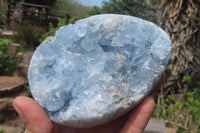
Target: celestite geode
{"type": "Point", "coordinates": [98, 68]}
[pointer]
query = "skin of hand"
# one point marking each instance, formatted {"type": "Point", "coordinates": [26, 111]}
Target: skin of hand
{"type": "Point", "coordinates": [37, 121]}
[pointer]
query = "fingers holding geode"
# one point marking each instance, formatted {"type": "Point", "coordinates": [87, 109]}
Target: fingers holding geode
{"type": "Point", "coordinates": [33, 115]}
{"type": "Point", "coordinates": [139, 117]}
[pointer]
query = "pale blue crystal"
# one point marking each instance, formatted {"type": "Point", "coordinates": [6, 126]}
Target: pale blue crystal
{"type": "Point", "coordinates": [98, 68]}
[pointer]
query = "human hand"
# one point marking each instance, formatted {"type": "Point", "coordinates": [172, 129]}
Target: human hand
{"type": "Point", "coordinates": [37, 121]}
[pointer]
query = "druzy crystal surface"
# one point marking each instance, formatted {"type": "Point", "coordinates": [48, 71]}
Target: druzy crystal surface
{"type": "Point", "coordinates": [98, 68]}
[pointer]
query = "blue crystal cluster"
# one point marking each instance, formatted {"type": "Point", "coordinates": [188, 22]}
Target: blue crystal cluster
{"type": "Point", "coordinates": [98, 68]}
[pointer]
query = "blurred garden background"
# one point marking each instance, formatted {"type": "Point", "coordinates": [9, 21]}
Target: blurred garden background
{"type": "Point", "coordinates": [24, 24]}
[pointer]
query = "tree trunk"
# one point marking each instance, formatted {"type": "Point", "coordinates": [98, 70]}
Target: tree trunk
{"type": "Point", "coordinates": [181, 20]}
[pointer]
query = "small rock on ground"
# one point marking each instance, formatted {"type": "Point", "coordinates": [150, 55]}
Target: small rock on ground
{"type": "Point", "coordinates": [11, 129]}
{"type": "Point", "coordinates": [10, 84]}
{"type": "Point", "coordinates": [155, 126]}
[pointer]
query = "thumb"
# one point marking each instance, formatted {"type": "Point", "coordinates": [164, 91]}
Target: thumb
{"type": "Point", "coordinates": [140, 116]}
{"type": "Point", "coordinates": [35, 119]}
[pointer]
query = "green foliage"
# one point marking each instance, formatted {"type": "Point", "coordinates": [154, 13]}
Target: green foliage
{"type": "Point", "coordinates": [73, 20]}
{"type": "Point", "coordinates": [70, 6]}
{"type": "Point", "coordinates": [27, 35]}
{"type": "Point", "coordinates": [194, 103]}
{"type": "Point", "coordinates": [187, 79]}
{"type": "Point", "coordinates": [170, 99]}
{"type": "Point", "coordinates": [185, 112]}
{"type": "Point", "coordinates": [169, 112]}
{"type": "Point", "coordinates": [196, 93]}
{"type": "Point", "coordinates": [50, 33]}
{"type": "Point", "coordinates": [2, 131]}
{"type": "Point", "coordinates": [8, 62]}
{"type": "Point", "coordinates": [179, 105]}
{"type": "Point", "coordinates": [3, 11]}
{"type": "Point", "coordinates": [26, 84]}
{"type": "Point", "coordinates": [180, 130]}
{"type": "Point", "coordinates": [2, 17]}
{"type": "Point", "coordinates": [53, 29]}
{"type": "Point", "coordinates": [94, 11]}
{"type": "Point", "coordinates": [138, 8]}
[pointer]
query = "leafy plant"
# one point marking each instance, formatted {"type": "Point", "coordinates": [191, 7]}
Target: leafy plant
{"type": "Point", "coordinates": [196, 93]}
{"type": "Point", "coordinates": [187, 79]}
{"type": "Point", "coordinates": [2, 16]}
{"type": "Point", "coordinates": [2, 131]}
{"type": "Point", "coordinates": [50, 33]}
{"type": "Point", "coordinates": [170, 99]}
{"type": "Point", "coordinates": [27, 35]}
{"type": "Point", "coordinates": [26, 84]}
{"type": "Point", "coordinates": [3, 10]}
{"type": "Point", "coordinates": [70, 6]}
{"type": "Point", "coordinates": [94, 11]}
{"type": "Point", "coordinates": [179, 105]}
{"type": "Point", "coordinates": [73, 19]}
{"type": "Point", "coordinates": [180, 130]}
{"type": "Point", "coordinates": [185, 114]}
{"type": "Point", "coordinates": [8, 62]}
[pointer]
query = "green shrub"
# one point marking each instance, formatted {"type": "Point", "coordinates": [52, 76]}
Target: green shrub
{"type": "Point", "coordinates": [73, 20]}
{"type": "Point", "coordinates": [179, 105]}
{"type": "Point", "coordinates": [170, 99]}
{"type": "Point", "coordinates": [27, 35]}
{"type": "Point", "coordinates": [185, 113]}
{"type": "Point", "coordinates": [50, 33]}
{"type": "Point", "coordinates": [2, 131]}
{"type": "Point", "coordinates": [94, 11]}
{"type": "Point", "coordinates": [2, 17]}
{"type": "Point", "coordinates": [8, 63]}
{"type": "Point", "coordinates": [3, 10]}
{"type": "Point", "coordinates": [196, 93]}
{"type": "Point", "coordinates": [187, 79]}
